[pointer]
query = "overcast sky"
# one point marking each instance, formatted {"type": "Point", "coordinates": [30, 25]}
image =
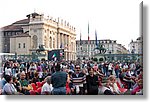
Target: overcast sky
{"type": "Point", "coordinates": [113, 19]}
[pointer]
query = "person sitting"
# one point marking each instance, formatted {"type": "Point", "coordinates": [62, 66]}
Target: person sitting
{"type": "Point", "coordinates": [138, 89]}
{"type": "Point", "coordinates": [106, 89]}
{"type": "Point", "coordinates": [114, 85]}
{"type": "Point", "coordinates": [16, 84]}
{"type": "Point", "coordinates": [47, 87]}
{"type": "Point", "coordinates": [9, 88]}
{"type": "Point", "coordinates": [24, 84]}
{"type": "Point", "coordinates": [126, 79]}
{"type": "Point", "coordinates": [3, 81]}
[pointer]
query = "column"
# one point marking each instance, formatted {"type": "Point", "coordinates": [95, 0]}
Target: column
{"type": "Point", "coordinates": [63, 41]}
{"type": "Point", "coordinates": [58, 44]}
{"type": "Point", "coordinates": [67, 55]}
{"type": "Point", "coordinates": [40, 37]}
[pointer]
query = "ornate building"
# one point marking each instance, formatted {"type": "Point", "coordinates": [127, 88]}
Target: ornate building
{"type": "Point", "coordinates": [25, 36]}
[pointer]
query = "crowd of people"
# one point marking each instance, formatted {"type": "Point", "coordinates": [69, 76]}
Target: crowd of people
{"type": "Point", "coordinates": [83, 77]}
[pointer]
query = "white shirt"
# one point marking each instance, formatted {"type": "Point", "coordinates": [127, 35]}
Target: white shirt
{"type": "Point", "coordinates": [46, 88]}
{"type": "Point", "coordinates": [116, 88]}
{"type": "Point", "coordinates": [8, 71]}
{"type": "Point", "coordinates": [125, 66]}
{"type": "Point", "coordinates": [110, 67]}
{"type": "Point", "coordinates": [32, 68]}
{"type": "Point", "coordinates": [9, 88]}
{"type": "Point", "coordinates": [105, 88]}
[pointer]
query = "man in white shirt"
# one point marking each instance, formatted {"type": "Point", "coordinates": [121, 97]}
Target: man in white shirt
{"type": "Point", "coordinates": [125, 66]}
{"type": "Point", "coordinates": [8, 71]}
{"type": "Point", "coordinates": [47, 87]}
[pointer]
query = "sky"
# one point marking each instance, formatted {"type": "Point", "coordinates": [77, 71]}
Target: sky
{"type": "Point", "coordinates": [112, 19]}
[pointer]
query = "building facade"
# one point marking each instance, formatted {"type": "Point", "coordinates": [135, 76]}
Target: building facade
{"type": "Point", "coordinates": [25, 36]}
{"type": "Point", "coordinates": [87, 50]}
{"type": "Point", "coordinates": [135, 47]}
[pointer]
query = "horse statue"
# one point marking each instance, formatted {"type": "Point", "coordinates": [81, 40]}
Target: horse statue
{"type": "Point", "coordinates": [101, 49]}
{"type": "Point", "coordinates": [41, 48]}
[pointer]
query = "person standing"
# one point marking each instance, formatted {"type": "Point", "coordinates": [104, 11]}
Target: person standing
{"type": "Point", "coordinates": [92, 82]}
{"type": "Point", "coordinates": [79, 81]}
{"type": "Point", "coordinates": [117, 68]}
{"type": "Point", "coordinates": [58, 80]}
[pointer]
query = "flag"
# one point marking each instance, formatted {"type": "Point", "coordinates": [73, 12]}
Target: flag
{"type": "Point", "coordinates": [80, 39]}
{"type": "Point", "coordinates": [96, 38]}
{"type": "Point", "coordinates": [88, 33]}
{"type": "Point", "coordinates": [54, 55]}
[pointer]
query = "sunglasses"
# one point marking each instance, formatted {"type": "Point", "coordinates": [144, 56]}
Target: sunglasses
{"type": "Point", "coordinates": [77, 67]}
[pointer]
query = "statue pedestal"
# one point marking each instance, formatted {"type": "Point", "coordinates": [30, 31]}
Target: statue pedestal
{"type": "Point", "coordinates": [100, 57]}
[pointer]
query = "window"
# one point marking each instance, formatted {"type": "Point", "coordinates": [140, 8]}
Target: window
{"type": "Point", "coordinates": [4, 34]}
{"type": "Point", "coordinates": [24, 45]}
{"type": "Point", "coordinates": [19, 45]}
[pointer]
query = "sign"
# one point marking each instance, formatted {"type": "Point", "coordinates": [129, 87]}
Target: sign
{"type": "Point", "coordinates": [56, 55]}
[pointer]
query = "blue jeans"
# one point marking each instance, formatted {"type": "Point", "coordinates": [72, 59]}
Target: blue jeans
{"type": "Point", "coordinates": [105, 72]}
{"type": "Point", "coordinates": [59, 91]}
{"type": "Point", "coordinates": [117, 73]}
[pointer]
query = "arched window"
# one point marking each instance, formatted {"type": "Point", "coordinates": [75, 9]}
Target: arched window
{"type": "Point", "coordinates": [34, 39]}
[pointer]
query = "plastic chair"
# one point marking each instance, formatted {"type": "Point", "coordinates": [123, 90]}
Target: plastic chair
{"type": "Point", "coordinates": [39, 90]}
{"type": "Point", "coordinates": [33, 86]}
{"type": "Point", "coordinates": [38, 84]}
{"type": "Point", "coordinates": [124, 84]}
{"type": "Point", "coordinates": [32, 92]}
{"type": "Point", "coordinates": [68, 91]}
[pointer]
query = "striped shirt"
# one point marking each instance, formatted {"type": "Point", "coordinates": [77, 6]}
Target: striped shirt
{"type": "Point", "coordinates": [78, 79]}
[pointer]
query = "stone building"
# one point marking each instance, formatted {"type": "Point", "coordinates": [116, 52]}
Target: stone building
{"type": "Point", "coordinates": [85, 49]}
{"type": "Point", "coordinates": [135, 47]}
{"type": "Point", "coordinates": [24, 37]}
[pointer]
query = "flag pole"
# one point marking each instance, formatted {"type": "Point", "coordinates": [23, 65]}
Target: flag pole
{"type": "Point", "coordinates": [80, 45]}
{"type": "Point", "coordinates": [88, 42]}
